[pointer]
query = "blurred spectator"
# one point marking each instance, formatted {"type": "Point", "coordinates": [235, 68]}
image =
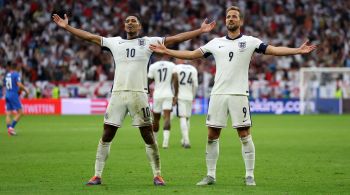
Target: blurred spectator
{"type": "Point", "coordinates": [338, 93]}
{"type": "Point", "coordinates": [38, 92]}
{"type": "Point", "coordinates": [55, 92]}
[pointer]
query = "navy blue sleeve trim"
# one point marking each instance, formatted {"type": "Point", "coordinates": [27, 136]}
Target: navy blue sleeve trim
{"type": "Point", "coordinates": [104, 48]}
{"type": "Point", "coordinates": [207, 54]}
{"type": "Point", "coordinates": [262, 48]}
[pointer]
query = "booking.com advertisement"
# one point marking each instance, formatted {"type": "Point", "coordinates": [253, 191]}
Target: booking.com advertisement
{"type": "Point", "coordinates": [258, 106]}
{"type": "Point", "coordinates": [275, 106]}
{"type": "Point", "coordinates": [98, 106]}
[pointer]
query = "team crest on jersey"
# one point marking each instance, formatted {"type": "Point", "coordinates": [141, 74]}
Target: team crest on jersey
{"type": "Point", "coordinates": [242, 45]}
{"type": "Point", "coordinates": [142, 42]}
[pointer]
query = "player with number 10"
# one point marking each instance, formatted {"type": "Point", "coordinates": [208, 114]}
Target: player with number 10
{"type": "Point", "coordinates": [129, 94]}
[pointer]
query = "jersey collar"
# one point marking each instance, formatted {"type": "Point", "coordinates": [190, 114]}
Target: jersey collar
{"type": "Point", "coordinates": [239, 36]}
{"type": "Point", "coordinates": [125, 37]}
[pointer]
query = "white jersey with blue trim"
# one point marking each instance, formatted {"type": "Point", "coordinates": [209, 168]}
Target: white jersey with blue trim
{"type": "Point", "coordinates": [131, 59]}
{"type": "Point", "coordinates": [232, 58]}
{"type": "Point", "coordinates": [161, 72]}
{"type": "Point", "coordinates": [188, 81]}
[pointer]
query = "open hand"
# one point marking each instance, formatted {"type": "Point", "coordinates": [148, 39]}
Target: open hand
{"type": "Point", "coordinates": [59, 21]}
{"type": "Point", "coordinates": [207, 27]}
{"type": "Point", "coordinates": [158, 48]}
{"type": "Point", "coordinates": [306, 47]}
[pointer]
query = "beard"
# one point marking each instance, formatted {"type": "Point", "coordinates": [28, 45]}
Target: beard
{"type": "Point", "coordinates": [232, 27]}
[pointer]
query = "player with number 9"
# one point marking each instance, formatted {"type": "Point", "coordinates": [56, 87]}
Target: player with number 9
{"type": "Point", "coordinates": [229, 96]}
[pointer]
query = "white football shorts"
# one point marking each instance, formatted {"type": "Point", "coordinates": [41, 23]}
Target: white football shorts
{"type": "Point", "coordinates": [220, 106]}
{"type": "Point", "coordinates": [184, 108]}
{"type": "Point", "coordinates": [122, 102]}
{"type": "Point", "coordinates": [162, 104]}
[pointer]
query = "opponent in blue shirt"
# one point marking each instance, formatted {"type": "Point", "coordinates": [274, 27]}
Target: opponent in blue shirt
{"type": "Point", "coordinates": [13, 86]}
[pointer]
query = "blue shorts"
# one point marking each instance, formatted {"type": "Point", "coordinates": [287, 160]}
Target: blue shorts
{"type": "Point", "coordinates": [13, 103]}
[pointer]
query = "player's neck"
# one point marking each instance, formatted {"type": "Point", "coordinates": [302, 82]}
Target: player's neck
{"type": "Point", "coordinates": [233, 34]}
{"type": "Point", "coordinates": [132, 35]}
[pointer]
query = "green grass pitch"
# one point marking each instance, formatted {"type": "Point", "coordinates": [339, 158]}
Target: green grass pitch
{"type": "Point", "coordinates": [294, 155]}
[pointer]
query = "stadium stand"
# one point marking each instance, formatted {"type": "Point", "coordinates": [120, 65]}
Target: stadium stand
{"type": "Point", "coordinates": [47, 55]}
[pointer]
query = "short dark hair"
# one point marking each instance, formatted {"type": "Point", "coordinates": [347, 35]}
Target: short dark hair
{"type": "Point", "coordinates": [236, 9]}
{"type": "Point", "coordinates": [137, 16]}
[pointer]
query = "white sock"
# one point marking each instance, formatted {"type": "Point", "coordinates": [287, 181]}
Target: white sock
{"type": "Point", "coordinates": [166, 135]}
{"type": "Point", "coordinates": [212, 155]}
{"type": "Point", "coordinates": [103, 150]}
{"type": "Point", "coordinates": [155, 136]}
{"type": "Point", "coordinates": [248, 153]}
{"type": "Point", "coordinates": [184, 130]}
{"type": "Point", "coordinates": [153, 158]}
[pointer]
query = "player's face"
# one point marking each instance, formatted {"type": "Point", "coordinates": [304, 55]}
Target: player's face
{"type": "Point", "coordinates": [233, 21]}
{"type": "Point", "coordinates": [132, 25]}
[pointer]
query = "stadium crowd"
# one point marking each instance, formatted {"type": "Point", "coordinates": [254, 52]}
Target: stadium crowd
{"type": "Point", "coordinates": [45, 54]}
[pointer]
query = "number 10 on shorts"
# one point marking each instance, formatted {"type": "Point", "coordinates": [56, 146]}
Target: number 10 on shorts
{"type": "Point", "coordinates": [146, 112]}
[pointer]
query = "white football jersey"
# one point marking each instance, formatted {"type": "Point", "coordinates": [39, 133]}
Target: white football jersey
{"type": "Point", "coordinates": [161, 72]}
{"type": "Point", "coordinates": [188, 81]}
{"type": "Point", "coordinates": [232, 58]}
{"type": "Point", "coordinates": [131, 59]}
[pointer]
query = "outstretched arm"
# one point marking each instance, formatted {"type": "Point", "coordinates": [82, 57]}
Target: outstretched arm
{"type": "Point", "coordinates": [205, 27]}
{"type": "Point", "coordinates": [63, 23]}
{"type": "Point", "coordinates": [305, 48]}
{"type": "Point", "coordinates": [188, 55]}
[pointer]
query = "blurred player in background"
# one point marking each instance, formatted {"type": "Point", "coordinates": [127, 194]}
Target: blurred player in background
{"type": "Point", "coordinates": [13, 87]}
{"type": "Point", "coordinates": [161, 72]}
{"type": "Point", "coordinates": [232, 54]}
{"type": "Point", "coordinates": [186, 77]}
{"type": "Point", "coordinates": [129, 94]}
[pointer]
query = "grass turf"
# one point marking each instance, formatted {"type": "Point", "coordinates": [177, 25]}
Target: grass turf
{"type": "Point", "coordinates": [294, 155]}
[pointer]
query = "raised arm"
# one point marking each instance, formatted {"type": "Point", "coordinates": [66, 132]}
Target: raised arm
{"type": "Point", "coordinates": [305, 48]}
{"type": "Point", "coordinates": [63, 23]}
{"type": "Point", "coordinates": [188, 55]}
{"type": "Point", "coordinates": [205, 27]}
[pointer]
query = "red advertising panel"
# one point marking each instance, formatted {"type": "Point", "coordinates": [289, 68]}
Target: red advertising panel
{"type": "Point", "coordinates": [2, 106]}
{"type": "Point", "coordinates": [41, 106]}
